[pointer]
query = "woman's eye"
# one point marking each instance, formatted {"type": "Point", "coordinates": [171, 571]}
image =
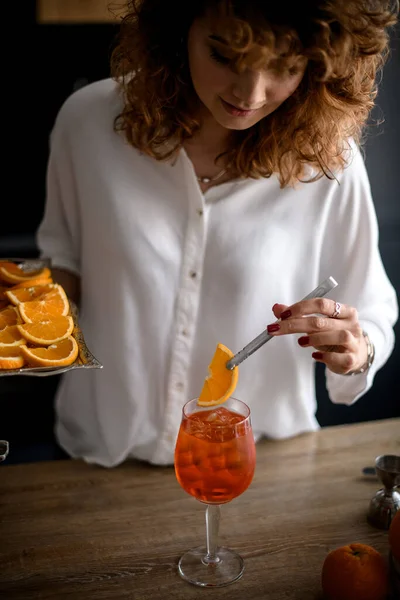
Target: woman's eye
{"type": "Point", "coordinates": [219, 58]}
{"type": "Point", "coordinates": [287, 72]}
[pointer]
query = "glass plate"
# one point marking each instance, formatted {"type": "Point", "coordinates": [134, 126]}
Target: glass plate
{"type": "Point", "coordinates": [85, 359]}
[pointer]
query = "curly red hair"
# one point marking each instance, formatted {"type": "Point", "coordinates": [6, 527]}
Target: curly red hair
{"type": "Point", "coordinates": [345, 42]}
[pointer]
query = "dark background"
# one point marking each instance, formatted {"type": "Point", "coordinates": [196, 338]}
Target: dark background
{"type": "Point", "coordinates": [61, 58]}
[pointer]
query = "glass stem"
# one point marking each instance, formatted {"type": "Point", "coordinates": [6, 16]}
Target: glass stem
{"type": "Point", "coordinates": [212, 527]}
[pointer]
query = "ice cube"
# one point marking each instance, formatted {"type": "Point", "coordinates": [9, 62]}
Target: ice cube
{"type": "Point", "coordinates": [212, 416]}
{"type": "Point", "coordinates": [196, 419]}
{"type": "Point", "coordinates": [219, 416]}
{"type": "Point", "coordinates": [195, 426]}
{"type": "Point", "coordinates": [184, 460]}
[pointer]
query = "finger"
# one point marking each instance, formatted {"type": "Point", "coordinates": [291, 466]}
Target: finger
{"type": "Point", "coordinates": [342, 341]}
{"type": "Point", "coordinates": [277, 309]}
{"type": "Point", "coordinates": [337, 363]}
{"type": "Point", "coordinates": [322, 306]}
{"type": "Point", "coordinates": [306, 325]}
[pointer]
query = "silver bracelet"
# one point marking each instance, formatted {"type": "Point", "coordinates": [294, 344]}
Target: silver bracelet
{"type": "Point", "coordinates": [370, 357]}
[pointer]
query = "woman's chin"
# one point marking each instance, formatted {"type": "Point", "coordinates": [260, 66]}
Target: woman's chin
{"type": "Point", "coordinates": [234, 123]}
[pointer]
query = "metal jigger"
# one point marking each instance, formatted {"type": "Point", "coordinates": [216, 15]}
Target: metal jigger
{"type": "Point", "coordinates": [386, 501]}
{"type": "Point", "coordinates": [4, 447]}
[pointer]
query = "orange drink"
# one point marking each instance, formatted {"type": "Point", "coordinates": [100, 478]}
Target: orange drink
{"type": "Point", "coordinates": [214, 462]}
{"type": "Point", "coordinates": [215, 455]}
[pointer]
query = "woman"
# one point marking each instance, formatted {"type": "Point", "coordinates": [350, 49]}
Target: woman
{"type": "Point", "coordinates": [217, 175]}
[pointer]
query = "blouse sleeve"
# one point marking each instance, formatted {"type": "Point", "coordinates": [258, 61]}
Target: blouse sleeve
{"type": "Point", "coordinates": [58, 236]}
{"type": "Point", "coordinates": [351, 255]}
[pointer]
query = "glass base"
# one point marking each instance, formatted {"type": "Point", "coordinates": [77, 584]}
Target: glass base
{"type": "Point", "coordinates": [194, 568]}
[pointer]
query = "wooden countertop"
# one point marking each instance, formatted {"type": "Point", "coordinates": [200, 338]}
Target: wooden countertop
{"type": "Point", "coordinates": [71, 530]}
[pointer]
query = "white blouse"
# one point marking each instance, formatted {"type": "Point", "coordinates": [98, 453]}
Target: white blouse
{"type": "Point", "coordinates": [167, 272]}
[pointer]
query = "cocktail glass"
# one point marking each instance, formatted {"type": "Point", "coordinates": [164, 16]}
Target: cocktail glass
{"type": "Point", "coordinates": [214, 462]}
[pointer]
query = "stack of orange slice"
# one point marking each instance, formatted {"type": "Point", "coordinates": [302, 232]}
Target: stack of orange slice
{"type": "Point", "coordinates": [36, 328]}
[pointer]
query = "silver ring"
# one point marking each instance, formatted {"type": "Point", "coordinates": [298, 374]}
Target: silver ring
{"type": "Point", "coordinates": [336, 312]}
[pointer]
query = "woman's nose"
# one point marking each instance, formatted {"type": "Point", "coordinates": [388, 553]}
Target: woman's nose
{"type": "Point", "coordinates": [249, 89]}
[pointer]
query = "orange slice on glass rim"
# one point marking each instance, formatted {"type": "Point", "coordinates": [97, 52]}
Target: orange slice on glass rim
{"type": "Point", "coordinates": [13, 273]}
{"type": "Point", "coordinates": [53, 304]}
{"type": "Point", "coordinates": [221, 382]}
{"type": "Point", "coordinates": [61, 354]}
{"type": "Point", "coordinates": [11, 357]}
{"type": "Point", "coordinates": [49, 331]}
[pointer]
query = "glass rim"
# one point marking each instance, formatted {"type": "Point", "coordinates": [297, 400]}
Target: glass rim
{"type": "Point", "coordinates": [210, 424]}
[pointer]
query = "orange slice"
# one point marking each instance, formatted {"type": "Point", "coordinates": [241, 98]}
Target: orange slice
{"type": "Point", "coordinates": [4, 264]}
{"type": "Point", "coordinates": [3, 289]}
{"type": "Point", "coordinates": [40, 280]}
{"type": "Point", "coordinates": [12, 273]}
{"type": "Point", "coordinates": [19, 294]}
{"type": "Point", "coordinates": [52, 304]}
{"type": "Point", "coordinates": [221, 382]}
{"type": "Point", "coordinates": [10, 336]}
{"type": "Point", "coordinates": [46, 332]}
{"type": "Point", "coordinates": [9, 316]}
{"type": "Point", "coordinates": [11, 357]}
{"type": "Point", "coordinates": [61, 354]}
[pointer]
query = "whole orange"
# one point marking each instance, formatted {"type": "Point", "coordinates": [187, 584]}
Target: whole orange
{"type": "Point", "coordinates": [355, 572]}
{"type": "Point", "coordinates": [394, 536]}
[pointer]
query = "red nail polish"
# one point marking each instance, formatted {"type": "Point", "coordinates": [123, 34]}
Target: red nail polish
{"type": "Point", "coordinates": [286, 314]}
{"type": "Point", "coordinates": [303, 341]}
{"type": "Point", "coordinates": [273, 308]}
{"type": "Point", "coordinates": [317, 355]}
{"type": "Point", "coordinates": [274, 327]}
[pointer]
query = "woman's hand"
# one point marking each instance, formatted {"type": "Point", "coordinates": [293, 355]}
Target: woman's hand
{"type": "Point", "coordinates": [333, 330]}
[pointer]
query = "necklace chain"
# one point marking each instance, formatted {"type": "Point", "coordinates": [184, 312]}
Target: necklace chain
{"type": "Point", "coordinates": [210, 179]}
